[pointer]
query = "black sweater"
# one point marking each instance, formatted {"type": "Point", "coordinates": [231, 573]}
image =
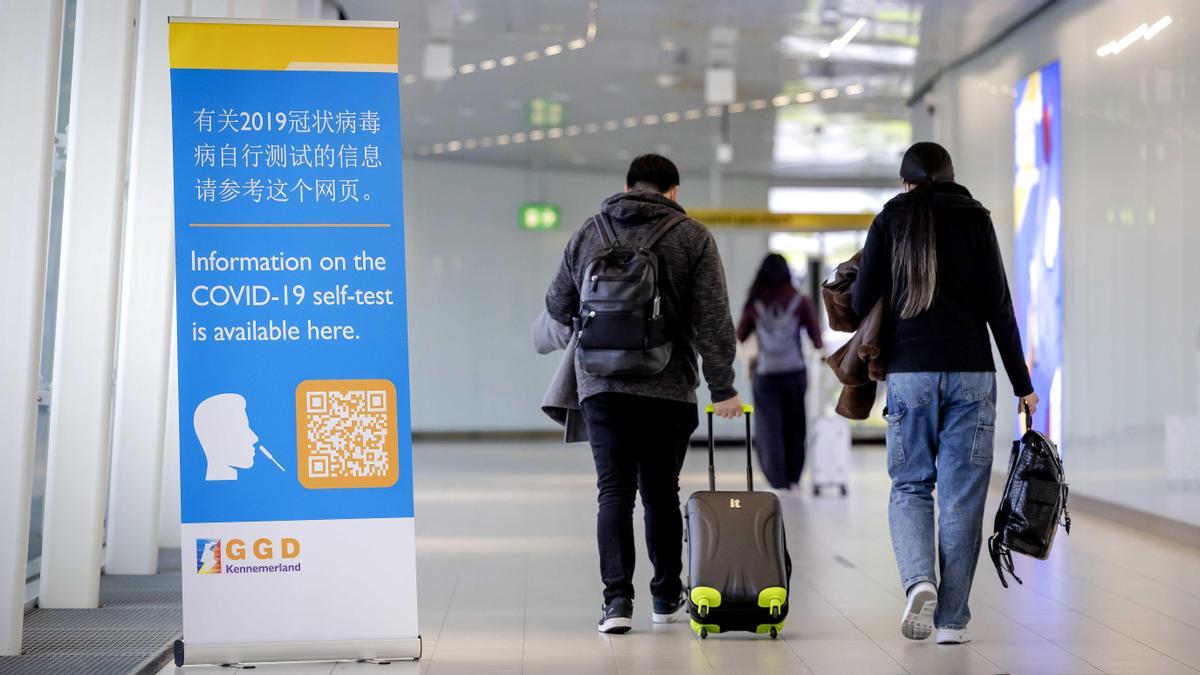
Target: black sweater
{"type": "Point", "coordinates": [971, 294]}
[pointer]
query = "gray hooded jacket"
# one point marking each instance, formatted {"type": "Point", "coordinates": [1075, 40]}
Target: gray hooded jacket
{"type": "Point", "coordinates": [695, 300]}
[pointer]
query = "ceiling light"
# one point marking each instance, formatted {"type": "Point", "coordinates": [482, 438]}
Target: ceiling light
{"type": "Point", "coordinates": [650, 120]}
{"type": "Point", "coordinates": [508, 60]}
{"type": "Point", "coordinates": [531, 56]}
{"type": "Point", "coordinates": [713, 111]}
{"type": "Point", "coordinates": [409, 79]}
{"type": "Point", "coordinates": [519, 137]}
{"type": "Point", "coordinates": [631, 122]}
{"type": "Point", "coordinates": [537, 135]}
{"type": "Point", "coordinates": [611, 125]}
{"type": "Point", "coordinates": [758, 104]}
{"type": "Point", "coordinates": [577, 43]}
{"type": "Point", "coordinates": [667, 44]}
{"type": "Point", "coordinates": [466, 68]}
{"type": "Point", "coordinates": [780, 101]}
{"type": "Point", "coordinates": [1142, 32]}
{"type": "Point", "coordinates": [591, 128]}
{"type": "Point", "coordinates": [854, 89]}
{"type": "Point", "coordinates": [487, 65]}
{"type": "Point", "coordinates": [840, 43]}
{"type": "Point", "coordinates": [454, 146]}
{"type": "Point", "coordinates": [469, 144]}
{"type": "Point", "coordinates": [666, 80]}
{"type": "Point", "coordinates": [670, 117]}
{"type": "Point", "coordinates": [502, 139]}
{"type": "Point", "coordinates": [553, 50]}
{"type": "Point", "coordinates": [693, 114]}
{"type": "Point", "coordinates": [829, 93]}
{"type": "Point", "coordinates": [805, 97]}
{"type": "Point", "coordinates": [737, 107]}
{"type": "Point", "coordinates": [573, 130]}
{"type": "Point", "coordinates": [556, 132]}
{"type": "Point", "coordinates": [439, 148]}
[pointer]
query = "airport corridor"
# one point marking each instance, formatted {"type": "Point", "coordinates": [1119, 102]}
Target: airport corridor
{"type": "Point", "coordinates": [509, 585]}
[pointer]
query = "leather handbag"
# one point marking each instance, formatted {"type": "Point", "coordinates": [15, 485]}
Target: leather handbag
{"type": "Point", "coordinates": [1034, 503]}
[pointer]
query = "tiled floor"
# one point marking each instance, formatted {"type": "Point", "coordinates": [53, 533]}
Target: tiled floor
{"type": "Point", "coordinates": [509, 584]}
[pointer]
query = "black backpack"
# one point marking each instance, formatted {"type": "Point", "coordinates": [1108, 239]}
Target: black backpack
{"type": "Point", "coordinates": [620, 325]}
{"type": "Point", "coordinates": [1033, 506]}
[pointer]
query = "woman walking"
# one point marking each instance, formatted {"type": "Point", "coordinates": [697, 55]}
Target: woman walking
{"type": "Point", "coordinates": [776, 313]}
{"type": "Point", "coordinates": [934, 250]}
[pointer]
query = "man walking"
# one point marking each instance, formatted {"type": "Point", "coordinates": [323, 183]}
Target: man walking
{"type": "Point", "coordinates": [640, 425]}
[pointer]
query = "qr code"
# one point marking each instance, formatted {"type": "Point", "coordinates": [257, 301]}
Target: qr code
{"type": "Point", "coordinates": [347, 433]}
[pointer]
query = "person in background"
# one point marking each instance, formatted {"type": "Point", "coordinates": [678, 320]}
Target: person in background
{"type": "Point", "coordinates": [776, 314]}
{"type": "Point", "coordinates": [640, 425]}
{"type": "Point", "coordinates": [934, 249]}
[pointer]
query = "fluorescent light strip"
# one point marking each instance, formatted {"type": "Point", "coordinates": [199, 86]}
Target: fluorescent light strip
{"type": "Point", "coordinates": [1142, 32]}
{"type": "Point", "coordinates": [854, 89]}
{"type": "Point", "coordinates": [840, 43]}
{"type": "Point", "coordinates": [829, 93]}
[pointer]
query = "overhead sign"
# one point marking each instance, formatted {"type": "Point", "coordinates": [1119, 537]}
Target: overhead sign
{"type": "Point", "coordinates": [295, 442]}
{"type": "Point", "coordinates": [807, 222]}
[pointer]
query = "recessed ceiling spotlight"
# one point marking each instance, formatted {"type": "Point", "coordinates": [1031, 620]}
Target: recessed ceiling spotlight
{"type": "Point", "coordinates": [508, 60]}
{"type": "Point", "coordinates": [466, 68]}
{"type": "Point", "coordinates": [611, 125]}
{"type": "Point", "coordinates": [591, 128]}
{"type": "Point", "coordinates": [439, 148]}
{"type": "Point", "coordinates": [469, 144]}
{"type": "Point", "coordinates": [650, 120]}
{"type": "Point", "coordinates": [487, 65]}
{"type": "Point", "coordinates": [854, 89]}
{"type": "Point", "coordinates": [573, 130]}
{"type": "Point", "coordinates": [829, 93]}
{"type": "Point", "coordinates": [408, 79]}
{"type": "Point", "coordinates": [758, 104]}
{"type": "Point", "coordinates": [556, 132]}
{"type": "Point", "coordinates": [577, 43]}
{"type": "Point", "coordinates": [713, 111]}
{"type": "Point", "coordinates": [666, 80]}
{"type": "Point", "coordinates": [454, 146]}
{"type": "Point", "coordinates": [780, 101]}
{"type": "Point", "coordinates": [670, 118]}
{"type": "Point", "coordinates": [737, 107]}
{"type": "Point", "coordinates": [502, 139]}
{"type": "Point", "coordinates": [553, 50]}
{"type": "Point", "coordinates": [805, 97]}
{"type": "Point", "coordinates": [519, 137]}
{"type": "Point", "coordinates": [667, 44]}
{"type": "Point", "coordinates": [531, 56]}
{"type": "Point", "coordinates": [630, 122]}
{"type": "Point", "coordinates": [693, 114]}
{"type": "Point", "coordinates": [537, 135]}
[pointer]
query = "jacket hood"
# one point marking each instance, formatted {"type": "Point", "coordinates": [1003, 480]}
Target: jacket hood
{"type": "Point", "coordinates": [945, 195]}
{"type": "Point", "coordinates": [639, 206]}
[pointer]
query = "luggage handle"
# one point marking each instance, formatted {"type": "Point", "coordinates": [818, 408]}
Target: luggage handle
{"type": "Point", "coordinates": [748, 410]}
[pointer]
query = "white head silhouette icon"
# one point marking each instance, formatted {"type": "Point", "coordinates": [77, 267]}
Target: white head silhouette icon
{"type": "Point", "coordinates": [225, 435]}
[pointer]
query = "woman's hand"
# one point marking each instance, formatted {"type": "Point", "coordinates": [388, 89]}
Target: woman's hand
{"type": "Point", "coordinates": [1029, 403]}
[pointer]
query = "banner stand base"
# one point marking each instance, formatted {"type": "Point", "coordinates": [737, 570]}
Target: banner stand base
{"type": "Point", "coordinates": [379, 651]}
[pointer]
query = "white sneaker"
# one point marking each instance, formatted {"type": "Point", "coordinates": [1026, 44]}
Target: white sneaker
{"type": "Point", "coordinates": [917, 620]}
{"type": "Point", "coordinates": [952, 636]}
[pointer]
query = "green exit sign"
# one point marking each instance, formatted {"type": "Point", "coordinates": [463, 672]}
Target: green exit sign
{"type": "Point", "coordinates": [545, 113]}
{"type": "Point", "coordinates": [536, 216]}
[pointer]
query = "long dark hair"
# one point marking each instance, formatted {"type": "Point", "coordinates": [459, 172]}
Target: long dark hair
{"type": "Point", "coordinates": [773, 273]}
{"type": "Point", "coordinates": [914, 256]}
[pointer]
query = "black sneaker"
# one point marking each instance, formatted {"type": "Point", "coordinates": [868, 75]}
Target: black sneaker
{"type": "Point", "coordinates": [670, 611]}
{"type": "Point", "coordinates": [617, 616]}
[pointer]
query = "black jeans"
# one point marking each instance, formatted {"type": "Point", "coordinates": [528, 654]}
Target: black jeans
{"type": "Point", "coordinates": [639, 444]}
{"type": "Point", "coordinates": [781, 426]}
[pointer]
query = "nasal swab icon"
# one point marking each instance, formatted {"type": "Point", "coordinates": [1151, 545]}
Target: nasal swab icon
{"type": "Point", "coordinates": [264, 451]}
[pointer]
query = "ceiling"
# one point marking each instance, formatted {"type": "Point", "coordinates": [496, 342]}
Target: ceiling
{"type": "Point", "coordinates": [630, 76]}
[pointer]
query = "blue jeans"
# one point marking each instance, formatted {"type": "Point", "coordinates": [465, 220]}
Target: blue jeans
{"type": "Point", "coordinates": [940, 431]}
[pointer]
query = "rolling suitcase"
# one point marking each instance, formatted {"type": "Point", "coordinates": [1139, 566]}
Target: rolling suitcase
{"type": "Point", "coordinates": [738, 565]}
{"type": "Point", "coordinates": [830, 454]}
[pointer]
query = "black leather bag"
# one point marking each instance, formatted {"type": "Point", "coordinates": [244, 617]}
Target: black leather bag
{"type": "Point", "coordinates": [1033, 506]}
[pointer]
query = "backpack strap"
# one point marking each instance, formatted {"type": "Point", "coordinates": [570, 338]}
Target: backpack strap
{"type": "Point", "coordinates": [607, 234]}
{"type": "Point", "coordinates": [794, 304]}
{"type": "Point", "coordinates": [662, 228]}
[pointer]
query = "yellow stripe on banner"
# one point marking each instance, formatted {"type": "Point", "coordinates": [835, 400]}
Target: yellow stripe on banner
{"type": "Point", "coordinates": [253, 46]}
{"type": "Point", "coordinates": [805, 222]}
